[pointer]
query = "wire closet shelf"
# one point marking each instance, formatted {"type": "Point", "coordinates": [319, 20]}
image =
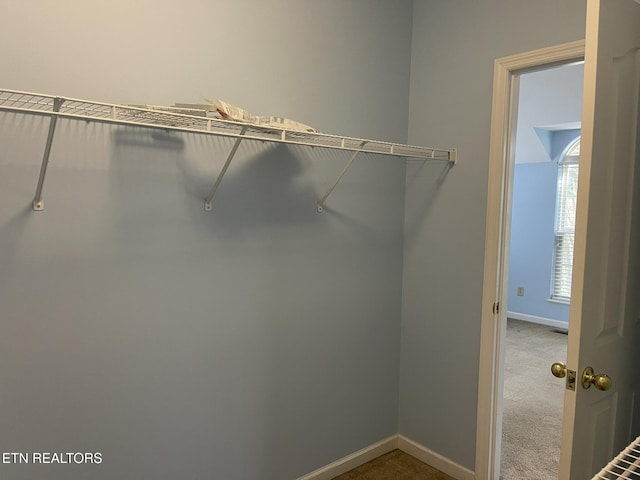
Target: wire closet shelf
{"type": "Point", "coordinates": [12, 100]}
{"type": "Point", "coordinates": [155, 117]}
{"type": "Point", "coordinates": [625, 466]}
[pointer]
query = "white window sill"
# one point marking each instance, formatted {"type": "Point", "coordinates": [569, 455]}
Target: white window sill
{"type": "Point", "coordinates": [556, 300]}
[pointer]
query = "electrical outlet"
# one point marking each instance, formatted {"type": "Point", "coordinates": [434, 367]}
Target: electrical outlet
{"type": "Point", "coordinates": [521, 291]}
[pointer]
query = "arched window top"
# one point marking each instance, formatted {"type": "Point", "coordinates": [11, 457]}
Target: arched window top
{"type": "Point", "coordinates": [572, 152]}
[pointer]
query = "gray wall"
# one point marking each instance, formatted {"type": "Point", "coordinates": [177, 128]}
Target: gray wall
{"type": "Point", "coordinates": [257, 341]}
{"type": "Point", "coordinates": [454, 47]}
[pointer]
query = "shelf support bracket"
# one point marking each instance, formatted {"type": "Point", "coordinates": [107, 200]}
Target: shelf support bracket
{"type": "Point", "coordinates": [453, 156]}
{"type": "Point", "coordinates": [344, 170]}
{"type": "Point", "coordinates": [38, 203]}
{"type": "Point", "coordinates": [209, 200]}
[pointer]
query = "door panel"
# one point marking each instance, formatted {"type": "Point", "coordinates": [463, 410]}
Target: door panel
{"type": "Point", "coordinates": [604, 413]}
{"type": "Point", "coordinates": [604, 316]}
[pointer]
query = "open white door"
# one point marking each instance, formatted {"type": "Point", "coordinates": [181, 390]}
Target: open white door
{"type": "Point", "coordinates": [604, 319]}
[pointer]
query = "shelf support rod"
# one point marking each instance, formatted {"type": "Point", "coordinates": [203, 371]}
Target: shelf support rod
{"type": "Point", "coordinates": [344, 170]}
{"type": "Point", "coordinates": [38, 203]}
{"type": "Point", "coordinates": [208, 201]}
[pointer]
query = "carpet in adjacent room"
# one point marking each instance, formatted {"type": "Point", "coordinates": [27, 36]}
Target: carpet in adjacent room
{"type": "Point", "coordinates": [532, 402]}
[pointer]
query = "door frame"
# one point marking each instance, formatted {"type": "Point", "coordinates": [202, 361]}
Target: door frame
{"type": "Point", "coordinates": [494, 291]}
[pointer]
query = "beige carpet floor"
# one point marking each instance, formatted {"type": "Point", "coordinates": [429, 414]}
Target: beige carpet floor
{"type": "Point", "coordinates": [532, 402]}
{"type": "Point", "coordinates": [395, 465]}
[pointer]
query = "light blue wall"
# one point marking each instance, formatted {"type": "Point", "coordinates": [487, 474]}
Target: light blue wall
{"type": "Point", "coordinates": [549, 102]}
{"type": "Point", "coordinates": [341, 66]}
{"type": "Point", "coordinates": [256, 341]}
{"type": "Point", "coordinates": [533, 240]}
{"type": "Point", "coordinates": [455, 44]}
{"type": "Point", "coordinates": [549, 115]}
{"type": "Point", "coordinates": [261, 340]}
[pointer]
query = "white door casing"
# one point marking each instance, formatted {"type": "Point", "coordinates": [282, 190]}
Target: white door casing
{"type": "Point", "coordinates": [604, 318]}
{"type": "Point", "coordinates": [493, 325]}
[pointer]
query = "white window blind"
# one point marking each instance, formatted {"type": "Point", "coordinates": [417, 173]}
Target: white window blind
{"type": "Point", "coordinates": [565, 224]}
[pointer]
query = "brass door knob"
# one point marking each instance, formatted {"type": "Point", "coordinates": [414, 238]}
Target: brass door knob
{"type": "Point", "coordinates": [559, 369]}
{"type": "Point", "coordinates": [600, 381]}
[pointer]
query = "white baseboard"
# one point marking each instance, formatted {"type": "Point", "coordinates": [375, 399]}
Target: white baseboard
{"type": "Point", "coordinates": [541, 320]}
{"type": "Point", "coordinates": [385, 446]}
{"type": "Point", "coordinates": [354, 460]}
{"type": "Point", "coordinates": [435, 460]}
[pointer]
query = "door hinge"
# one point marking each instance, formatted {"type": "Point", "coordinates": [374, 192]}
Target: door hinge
{"type": "Point", "coordinates": [496, 308]}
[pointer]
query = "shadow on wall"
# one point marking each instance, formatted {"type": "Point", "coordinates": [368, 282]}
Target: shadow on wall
{"type": "Point", "coordinates": [424, 180]}
{"type": "Point", "coordinates": [293, 304]}
{"type": "Point", "coordinates": [154, 139]}
{"type": "Point", "coordinates": [264, 184]}
{"type": "Point", "coordinates": [11, 237]}
{"type": "Point", "coordinates": [162, 331]}
{"type": "Point", "coordinates": [267, 189]}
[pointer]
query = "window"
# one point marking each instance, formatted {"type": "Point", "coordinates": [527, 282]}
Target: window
{"type": "Point", "coordinates": [565, 223]}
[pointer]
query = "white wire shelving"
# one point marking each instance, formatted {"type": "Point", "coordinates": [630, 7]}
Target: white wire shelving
{"type": "Point", "coordinates": [62, 107]}
{"type": "Point", "coordinates": [624, 466]}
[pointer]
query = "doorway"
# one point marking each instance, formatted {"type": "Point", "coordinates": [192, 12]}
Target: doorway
{"type": "Point", "coordinates": [602, 344]}
{"type": "Point", "coordinates": [547, 134]}
{"type": "Point", "coordinates": [507, 76]}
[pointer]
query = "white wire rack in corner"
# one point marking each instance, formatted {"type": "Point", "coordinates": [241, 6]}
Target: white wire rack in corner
{"type": "Point", "coordinates": [625, 466]}
{"type": "Point", "coordinates": [70, 108]}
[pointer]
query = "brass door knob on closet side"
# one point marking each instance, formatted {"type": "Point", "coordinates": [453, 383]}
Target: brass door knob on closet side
{"type": "Point", "coordinates": [559, 369]}
{"type": "Point", "coordinates": [600, 381]}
